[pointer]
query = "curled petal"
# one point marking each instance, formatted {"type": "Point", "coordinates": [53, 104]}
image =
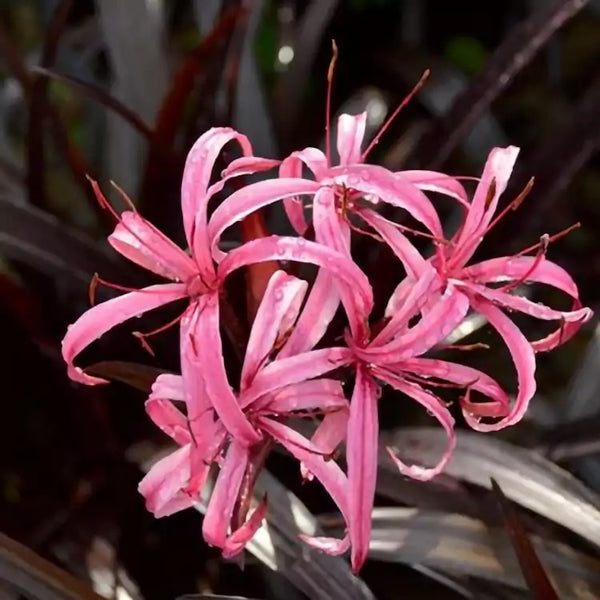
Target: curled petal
{"type": "Point", "coordinates": [350, 136]}
{"type": "Point", "coordinates": [433, 181]}
{"type": "Point", "coordinates": [293, 166]}
{"type": "Point", "coordinates": [412, 261]}
{"type": "Point", "coordinates": [523, 358]}
{"type": "Point", "coordinates": [209, 358]}
{"type": "Point", "coordinates": [168, 418]}
{"type": "Point", "coordinates": [163, 485]}
{"type": "Point", "coordinates": [434, 406]}
{"type": "Point", "coordinates": [276, 315]}
{"type": "Point", "coordinates": [318, 394]}
{"type": "Point", "coordinates": [438, 323]}
{"type": "Point", "coordinates": [252, 197]}
{"type": "Point", "coordinates": [275, 247]}
{"type": "Point", "coordinates": [236, 542]}
{"type": "Point", "coordinates": [524, 305]}
{"type": "Point", "coordinates": [248, 165]}
{"type": "Point", "coordinates": [389, 187]}
{"type": "Point", "coordinates": [519, 268]}
{"type": "Point", "coordinates": [471, 379]}
{"type": "Point", "coordinates": [321, 305]}
{"type": "Point", "coordinates": [295, 369]}
{"type": "Point", "coordinates": [328, 472]}
{"type": "Point", "coordinates": [313, 158]}
{"type": "Point", "coordinates": [492, 184]}
{"type": "Point", "coordinates": [224, 496]}
{"type": "Point", "coordinates": [101, 318]}
{"type": "Point", "coordinates": [361, 457]}
{"type": "Point", "coordinates": [194, 188]}
{"type": "Point", "coordinates": [140, 242]}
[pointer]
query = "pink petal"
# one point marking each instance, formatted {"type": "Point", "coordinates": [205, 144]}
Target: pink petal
{"type": "Point", "coordinates": [99, 319]}
{"type": "Point", "coordinates": [524, 305]}
{"type": "Point", "coordinates": [300, 250]}
{"type": "Point", "coordinates": [294, 210]}
{"type": "Point", "coordinates": [513, 268]}
{"type": "Point", "coordinates": [437, 324]}
{"type": "Point", "coordinates": [361, 457]}
{"type": "Point", "coordinates": [209, 358]}
{"type": "Point", "coordinates": [276, 315]}
{"type": "Point", "coordinates": [293, 166]}
{"type": "Point", "coordinates": [389, 187]}
{"type": "Point", "coordinates": [162, 486]}
{"type": "Point", "coordinates": [319, 310]}
{"type": "Point", "coordinates": [194, 188]}
{"type": "Point", "coordinates": [313, 158]}
{"type": "Point", "coordinates": [327, 545]}
{"type": "Point", "coordinates": [412, 261]}
{"type": "Point", "coordinates": [252, 197]}
{"type": "Point", "coordinates": [398, 298]}
{"type": "Point", "coordinates": [248, 165]}
{"type": "Point", "coordinates": [236, 542]}
{"type": "Point", "coordinates": [498, 168]}
{"type": "Point", "coordinates": [350, 135]}
{"type": "Point", "coordinates": [168, 386]}
{"type": "Point", "coordinates": [330, 228]}
{"type": "Point", "coordinates": [523, 358]}
{"type": "Point", "coordinates": [461, 375]}
{"type": "Point", "coordinates": [199, 407]}
{"type": "Point", "coordinates": [330, 433]}
{"type": "Point", "coordinates": [333, 231]}
{"type": "Point", "coordinates": [418, 295]}
{"type": "Point", "coordinates": [168, 418]}
{"type": "Point", "coordinates": [225, 495]}
{"type": "Point", "coordinates": [328, 472]}
{"type": "Point", "coordinates": [433, 181]}
{"type": "Point", "coordinates": [316, 394]}
{"type": "Point", "coordinates": [546, 272]}
{"type": "Point", "coordinates": [295, 369]}
{"type": "Point", "coordinates": [140, 242]}
{"type": "Point", "coordinates": [435, 407]}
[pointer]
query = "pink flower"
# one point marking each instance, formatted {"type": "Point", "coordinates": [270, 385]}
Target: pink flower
{"type": "Point", "coordinates": [336, 193]}
{"type": "Point", "coordinates": [270, 389]}
{"type": "Point", "coordinates": [196, 276]}
{"type": "Point", "coordinates": [478, 284]}
{"type": "Point", "coordinates": [394, 357]}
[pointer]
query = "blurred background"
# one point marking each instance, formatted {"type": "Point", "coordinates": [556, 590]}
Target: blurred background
{"type": "Point", "coordinates": [120, 90]}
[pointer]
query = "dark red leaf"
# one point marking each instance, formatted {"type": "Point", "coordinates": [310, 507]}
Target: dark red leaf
{"type": "Point", "coordinates": [103, 97]}
{"type": "Point", "coordinates": [533, 571]}
{"type": "Point", "coordinates": [511, 57]}
{"type": "Point", "coordinates": [138, 376]}
{"type": "Point", "coordinates": [37, 578]}
{"type": "Point", "coordinates": [162, 178]}
{"type": "Point", "coordinates": [36, 189]}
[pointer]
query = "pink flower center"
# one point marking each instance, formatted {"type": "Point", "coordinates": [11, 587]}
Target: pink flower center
{"type": "Point", "coordinates": [197, 286]}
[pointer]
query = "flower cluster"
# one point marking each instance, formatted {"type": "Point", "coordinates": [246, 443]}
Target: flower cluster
{"type": "Point", "coordinates": [287, 370]}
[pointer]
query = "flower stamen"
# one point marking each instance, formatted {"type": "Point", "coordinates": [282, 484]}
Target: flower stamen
{"type": "Point", "coordinates": [97, 280]}
{"type": "Point", "coordinates": [400, 106]}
